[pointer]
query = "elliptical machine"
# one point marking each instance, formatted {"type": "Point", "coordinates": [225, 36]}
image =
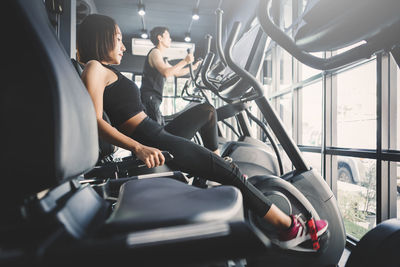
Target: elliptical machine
{"type": "Point", "coordinates": [302, 190]}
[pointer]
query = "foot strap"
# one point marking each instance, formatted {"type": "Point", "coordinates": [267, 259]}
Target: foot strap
{"type": "Point", "coordinates": [313, 232]}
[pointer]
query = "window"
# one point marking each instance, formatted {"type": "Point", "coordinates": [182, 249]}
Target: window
{"type": "Point", "coordinates": [167, 105]}
{"type": "Point", "coordinates": [138, 80]}
{"type": "Point", "coordinates": [356, 194]}
{"type": "Point", "coordinates": [311, 127]}
{"type": "Point", "coordinates": [285, 111]}
{"type": "Point", "coordinates": [267, 71]}
{"type": "Point", "coordinates": [356, 110]}
{"type": "Point", "coordinates": [287, 11]}
{"type": "Point", "coordinates": [285, 69]}
{"type": "Point", "coordinates": [128, 75]}
{"type": "Point", "coordinates": [313, 160]}
{"type": "Point", "coordinates": [306, 71]}
{"type": "Point", "coordinates": [397, 107]}
{"type": "Point", "coordinates": [398, 141]}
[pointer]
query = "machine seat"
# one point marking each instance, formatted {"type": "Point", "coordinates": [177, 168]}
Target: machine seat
{"type": "Point", "coordinates": [160, 202]}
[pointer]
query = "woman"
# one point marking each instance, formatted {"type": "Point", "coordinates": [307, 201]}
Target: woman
{"type": "Point", "coordinates": [100, 46]}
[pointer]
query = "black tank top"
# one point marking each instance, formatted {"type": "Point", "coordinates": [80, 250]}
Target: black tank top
{"type": "Point", "coordinates": [152, 80]}
{"type": "Point", "coordinates": [121, 99]}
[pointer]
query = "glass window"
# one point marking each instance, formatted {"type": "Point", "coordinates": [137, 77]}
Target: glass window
{"type": "Point", "coordinates": [180, 103]}
{"type": "Point", "coordinates": [356, 107]}
{"type": "Point", "coordinates": [285, 111]}
{"type": "Point", "coordinates": [167, 106]}
{"type": "Point", "coordinates": [397, 107]}
{"type": "Point", "coordinates": [398, 142]}
{"type": "Point", "coordinates": [169, 87]}
{"type": "Point", "coordinates": [357, 194]}
{"type": "Point", "coordinates": [168, 103]}
{"type": "Point", "coordinates": [313, 160]}
{"type": "Point", "coordinates": [306, 71]}
{"type": "Point", "coordinates": [285, 69]}
{"type": "Point", "coordinates": [398, 188]}
{"type": "Point", "coordinates": [267, 73]}
{"type": "Point", "coordinates": [311, 98]}
{"type": "Point", "coordinates": [138, 80]}
{"type": "Point", "coordinates": [128, 75]}
{"type": "Point", "coordinates": [287, 13]}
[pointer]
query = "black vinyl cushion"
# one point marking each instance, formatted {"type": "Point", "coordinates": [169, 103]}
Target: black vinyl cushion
{"type": "Point", "coordinates": [159, 202]}
{"type": "Point", "coordinates": [331, 25]}
{"type": "Point", "coordinates": [378, 247]}
{"type": "Point", "coordinates": [47, 117]}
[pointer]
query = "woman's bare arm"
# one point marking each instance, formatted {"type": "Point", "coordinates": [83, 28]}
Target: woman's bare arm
{"type": "Point", "coordinates": [96, 77]}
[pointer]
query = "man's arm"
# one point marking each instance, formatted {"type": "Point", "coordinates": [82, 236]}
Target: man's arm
{"type": "Point", "coordinates": [156, 60]}
{"type": "Point", "coordinates": [186, 70]}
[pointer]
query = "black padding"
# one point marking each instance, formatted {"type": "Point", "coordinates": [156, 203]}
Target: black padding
{"type": "Point", "coordinates": [331, 25]}
{"type": "Point", "coordinates": [159, 202]}
{"type": "Point", "coordinates": [378, 247]}
{"type": "Point", "coordinates": [48, 122]}
{"type": "Point", "coordinates": [252, 158]}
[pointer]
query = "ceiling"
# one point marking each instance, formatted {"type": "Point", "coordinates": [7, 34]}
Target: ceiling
{"type": "Point", "coordinates": [174, 14]}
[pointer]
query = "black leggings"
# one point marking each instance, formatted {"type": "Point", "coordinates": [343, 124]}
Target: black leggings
{"type": "Point", "coordinates": [199, 161]}
{"type": "Point", "coordinates": [201, 118]}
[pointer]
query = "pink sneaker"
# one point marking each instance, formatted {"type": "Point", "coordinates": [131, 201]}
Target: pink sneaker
{"type": "Point", "coordinates": [298, 233]}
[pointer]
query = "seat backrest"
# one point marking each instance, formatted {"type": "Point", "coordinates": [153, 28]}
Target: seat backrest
{"type": "Point", "coordinates": [47, 117]}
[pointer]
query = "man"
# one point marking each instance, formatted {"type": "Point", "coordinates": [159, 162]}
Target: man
{"type": "Point", "coordinates": [157, 69]}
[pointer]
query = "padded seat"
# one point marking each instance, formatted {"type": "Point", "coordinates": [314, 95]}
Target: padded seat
{"type": "Point", "coordinates": [159, 202]}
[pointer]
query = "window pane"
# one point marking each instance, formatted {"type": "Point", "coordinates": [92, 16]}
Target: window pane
{"type": "Point", "coordinates": [286, 162]}
{"type": "Point", "coordinates": [356, 111]}
{"type": "Point", "coordinates": [357, 194]}
{"type": "Point", "coordinates": [285, 111]}
{"type": "Point", "coordinates": [398, 142]}
{"type": "Point", "coordinates": [398, 108]}
{"type": "Point", "coordinates": [169, 87]}
{"type": "Point", "coordinates": [180, 83]}
{"type": "Point", "coordinates": [285, 69]}
{"type": "Point", "coordinates": [167, 106]}
{"type": "Point", "coordinates": [314, 160]}
{"type": "Point", "coordinates": [128, 75]}
{"type": "Point", "coordinates": [311, 106]}
{"type": "Point", "coordinates": [267, 73]}
{"type": "Point", "coordinates": [306, 71]}
{"type": "Point", "coordinates": [398, 188]}
{"type": "Point", "coordinates": [287, 13]}
{"type": "Point", "coordinates": [138, 80]}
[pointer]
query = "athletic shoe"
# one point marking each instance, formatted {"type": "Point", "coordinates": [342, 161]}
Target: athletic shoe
{"type": "Point", "coordinates": [298, 232]}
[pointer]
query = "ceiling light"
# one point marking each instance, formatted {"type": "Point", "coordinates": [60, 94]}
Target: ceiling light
{"type": "Point", "coordinates": [187, 37]}
{"type": "Point", "coordinates": [195, 14]}
{"type": "Point", "coordinates": [141, 10]}
{"type": "Point", "coordinates": [144, 34]}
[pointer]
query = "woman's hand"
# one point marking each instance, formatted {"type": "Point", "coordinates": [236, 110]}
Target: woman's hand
{"type": "Point", "coordinates": [151, 156]}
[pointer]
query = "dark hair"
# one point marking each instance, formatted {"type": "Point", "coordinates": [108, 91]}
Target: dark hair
{"type": "Point", "coordinates": [156, 31]}
{"type": "Point", "coordinates": [95, 38]}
